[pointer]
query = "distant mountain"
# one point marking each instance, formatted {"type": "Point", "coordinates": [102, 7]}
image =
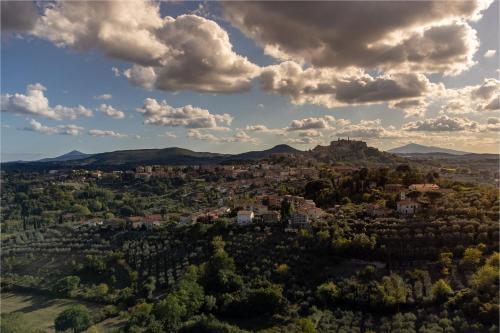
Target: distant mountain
{"type": "Point", "coordinates": [259, 154]}
{"type": "Point", "coordinates": [72, 155]}
{"type": "Point", "coordinates": [123, 159]}
{"type": "Point", "coordinates": [338, 151]}
{"type": "Point", "coordinates": [414, 148]}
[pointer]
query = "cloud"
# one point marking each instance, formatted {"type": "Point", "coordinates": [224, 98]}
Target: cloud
{"type": "Point", "coordinates": [116, 71]}
{"type": "Point", "coordinates": [240, 136]}
{"type": "Point", "coordinates": [34, 103]}
{"type": "Point", "coordinates": [264, 129]}
{"type": "Point", "coordinates": [492, 124]}
{"type": "Point", "coordinates": [18, 16]}
{"type": "Point", "coordinates": [442, 124]}
{"type": "Point", "coordinates": [103, 97]}
{"type": "Point", "coordinates": [304, 141]}
{"type": "Point", "coordinates": [311, 123]}
{"type": "Point", "coordinates": [332, 88]}
{"type": "Point", "coordinates": [472, 99]}
{"type": "Point", "coordinates": [110, 111]}
{"type": "Point", "coordinates": [425, 36]}
{"type": "Point", "coordinates": [311, 133]}
{"type": "Point", "coordinates": [368, 129]}
{"type": "Point", "coordinates": [411, 107]}
{"type": "Point", "coordinates": [188, 116]}
{"type": "Point", "coordinates": [490, 53]}
{"type": "Point", "coordinates": [188, 52]}
{"type": "Point", "coordinates": [198, 135]}
{"type": "Point", "coordinates": [169, 135]}
{"type": "Point", "coordinates": [102, 133]}
{"type": "Point", "coordinates": [36, 126]}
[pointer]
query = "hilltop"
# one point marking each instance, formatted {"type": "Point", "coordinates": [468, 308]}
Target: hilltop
{"type": "Point", "coordinates": [352, 151]}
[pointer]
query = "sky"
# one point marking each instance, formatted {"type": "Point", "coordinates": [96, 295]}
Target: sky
{"type": "Point", "coordinates": [237, 76]}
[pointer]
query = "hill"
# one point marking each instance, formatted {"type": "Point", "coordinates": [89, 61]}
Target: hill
{"type": "Point", "coordinates": [351, 151]}
{"type": "Point", "coordinates": [414, 148]}
{"type": "Point", "coordinates": [72, 155]}
{"type": "Point", "coordinates": [123, 159]}
{"type": "Point", "coordinates": [259, 154]}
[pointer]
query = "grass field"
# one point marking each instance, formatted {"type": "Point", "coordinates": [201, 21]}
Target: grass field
{"type": "Point", "coordinates": [40, 312]}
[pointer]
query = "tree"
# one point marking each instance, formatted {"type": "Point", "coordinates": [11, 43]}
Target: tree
{"type": "Point", "coordinates": [441, 290]}
{"type": "Point", "coordinates": [433, 196]}
{"type": "Point", "coordinates": [149, 286]}
{"type": "Point", "coordinates": [445, 260]}
{"type": "Point", "coordinates": [471, 258]}
{"type": "Point", "coordinates": [328, 293]}
{"type": "Point", "coordinates": [67, 285]}
{"type": "Point", "coordinates": [413, 194]}
{"type": "Point", "coordinates": [265, 301]}
{"type": "Point", "coordinates": [76, 318]}
{"type": "Point", "coordinates": [81, 210]}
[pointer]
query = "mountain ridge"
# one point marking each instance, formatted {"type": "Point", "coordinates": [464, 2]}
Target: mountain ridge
{"type": "Point", "coordinates": [414, 148]}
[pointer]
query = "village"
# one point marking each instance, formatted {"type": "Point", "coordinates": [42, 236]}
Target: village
{"type": "Point", "coordinates": [249, 194]}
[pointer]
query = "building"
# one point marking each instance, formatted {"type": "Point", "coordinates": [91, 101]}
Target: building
{"type": "Point", "coordinates": [374, 210]}
{"type": "Point", "coordinates": [245, 216]}
{"type": "Point", "coordinates": [271, 216]}
{"type": "Point", "coordinates": [408, 207]}
{"type": "Point", "coordinates": [423, 187]}
{"type": "Point", "coordinates": [299, 218]}
{"type": "Point", "coordinates": [393, 188]}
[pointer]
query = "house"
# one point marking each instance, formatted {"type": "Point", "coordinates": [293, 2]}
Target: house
{"type": "Point", "coordinates": [375, 210]}
{"type": "Point", "coordinates": [314, 213]}
{"type": "Point", "coordinates": [271, 216]}
{"type": "Point", "coordinates": [408, 207]}
{"type": "Point", "coordinates": [299, 218]}
{"type": "Point", "coordinates": [423, 187]}
{"type": "Point", "coordinates": [93, 222]}
{"type": "Point", "coordinates": [393, 188]}
{"type": "Point", "coordinates": [245, 216]}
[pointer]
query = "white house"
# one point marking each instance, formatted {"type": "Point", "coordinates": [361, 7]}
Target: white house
{"type": "Point", "coordinates": [245, 216]}
{"type": "Point", "coordinates": [408, 207]}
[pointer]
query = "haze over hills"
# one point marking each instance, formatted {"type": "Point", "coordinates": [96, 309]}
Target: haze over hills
{"type": "Point", "coordinates": [414, 148]}
{"type": "Point", "coordinates": [338, 151]}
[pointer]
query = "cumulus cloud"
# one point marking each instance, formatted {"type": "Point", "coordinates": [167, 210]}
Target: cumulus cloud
{"type": "Point", "coordinates": [263, 129]}
{"type": "Point", "coordinates": [188, 52]}
{"type": "Point", "coordinates": [18, 16]}
{"type": "Point", "coordinates": [103, 97]}
{"type": "Point", "coordinates": [411, 107]}
{"type": "Point", "coordinates": [110, 111]}
{"type": "Point", "coordinates": [427, 36]}
{"type": "Point", "coordinates": [116, 71]}
{"type": "Point", "coordinates": [311, 133]}
{"type": "Point", "coordinates": [160, 113]}
{"type": "Point", "coordinates": [472, 99]}
{"type": "Point", "coordinates": [492, 124]}
{"type": "Point", "coordinates": [304, 141]}
{"type": "Point", "coordinates": [239, 136]}
{"type": "Point", "coordinates": [332, 88]}
{"type": "Point", "coordinates": [442, 124]}
{"type": "Point", "coordinates": [34, 103]}
{"type": "Point", "coordinates": [36, 126]}
{"type": "Point", "coordinates": [368, 129]}
{"type": "Point", "coordinates": [311, 123]}
{"type": "Point", "coordinates": [490, 53]}
{"type": "Point", "coordinates": [103, 133]}
{"type": "Point", "coordinates": [169, 135]}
